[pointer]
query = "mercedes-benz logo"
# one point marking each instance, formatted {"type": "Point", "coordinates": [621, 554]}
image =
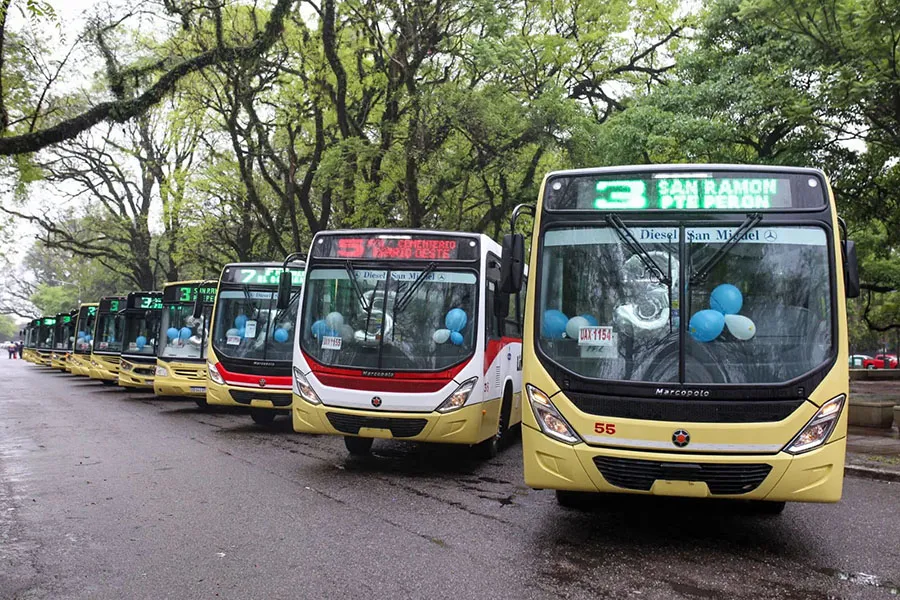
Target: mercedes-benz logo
{"type": "Point", "coordinates": [681, 438]}
{"type": "Point", "coordinates": [376, 401]}
{"type": "Point", "coordinates": [770, 236]}
{"type": "Point", "coordinates": [262, 382]}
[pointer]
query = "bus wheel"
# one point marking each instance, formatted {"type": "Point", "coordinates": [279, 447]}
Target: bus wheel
{"type": "Point", "coordinates": [108, 382]}
{"type": "Point", "coordinates": [761, 507]}
{"type": "Point", "coordinates": [262, 417]}
{"type": "Point", "coordinates": [570, 499]}
{"type": "Point", "coordinates": [202, 404]}
{"type": "Point", "coordinates": [358, 446]}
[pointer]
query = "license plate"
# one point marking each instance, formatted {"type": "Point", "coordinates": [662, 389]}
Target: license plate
{"type": "Point", "coordinates": [198, 390]}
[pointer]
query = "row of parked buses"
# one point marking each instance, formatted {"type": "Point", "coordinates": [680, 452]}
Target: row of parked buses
{"type": "Point", "coordinates": [685, 334]}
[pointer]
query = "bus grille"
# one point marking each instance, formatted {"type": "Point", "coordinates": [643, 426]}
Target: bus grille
{"type": "Point", "coordinates": [242, 397]}
{"type": "Point", "coordinates": [686, 411]}
{"type": "Point", "coordinates": [398, 427]}
{"type": "Point", "coordinates": [194, 374]}
{"type": "Point", "coordinates": [634, 474]}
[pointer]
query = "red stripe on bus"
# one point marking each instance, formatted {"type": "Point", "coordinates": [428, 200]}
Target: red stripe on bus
{"type": "Point", "coordinates": [494, 347]}
{"type": "Point", "coordinates": [406, 382]}
{"type": "Point", "coordinates": [246, 379]}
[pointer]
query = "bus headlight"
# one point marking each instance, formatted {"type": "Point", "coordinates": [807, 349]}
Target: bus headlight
{"type": "Point", "coordinates": [304, 390]}
{"type": "Point", "coordinates": [548, 417]}
{"type": "Point", "coordinates": [125, 366]}
{"type": "Point", "coordinates": [459, 396]}
{"type": "Point", "coordinates": [161, 371]}
{"type": "Point", "coordinates": [819, 428]}
{"type": "Point", "coordinates": [214, 374]}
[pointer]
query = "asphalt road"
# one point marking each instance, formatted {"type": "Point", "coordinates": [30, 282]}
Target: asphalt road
{"type": "Point", "coordinates": [109, 494]}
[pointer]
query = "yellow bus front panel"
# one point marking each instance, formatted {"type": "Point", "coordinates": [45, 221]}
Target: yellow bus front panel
{"type": "Point", "coordinates": [104, 367]}
{"type": "Point", "coordinates": [248, 397]}
{"type": "Point", "coordinates": [468, 425]}
{"type": "Point", "coordinates": [185, 379]}
{"type": "Point", "coordinates": [43, 358]}
{"type": "Point", "coordinates": [79, 364]}
{"type": "Point", "coordinates": [136, 374]}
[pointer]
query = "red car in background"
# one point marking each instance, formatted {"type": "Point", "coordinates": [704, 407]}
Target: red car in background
{"type": "Point", "coordinates": [878, 362]}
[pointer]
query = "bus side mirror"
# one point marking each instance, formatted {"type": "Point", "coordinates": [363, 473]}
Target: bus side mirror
{"type": "Point", "coordinates": [851, 270]}
{"type": "Point", "coordinates": [501, 305]}
{"type": "Point", "coordinates": [284, 290]}
{"type": "Point", "coordinates": [197, 311]}
{"type": "Point", "coordinates": [512, 265]}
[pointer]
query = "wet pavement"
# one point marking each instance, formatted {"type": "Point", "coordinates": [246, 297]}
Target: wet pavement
{"type": "Point", "coordinates": [110, 494]}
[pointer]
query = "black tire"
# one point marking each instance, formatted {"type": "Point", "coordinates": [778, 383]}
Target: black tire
{"type": "Point", "coordinates": [202, 404]}
{"type": "Point", "coordinates": [570, 499]}
{"type": "Point", "coordinates": [262, 416]}
{"type": "Point", "coordinates": [489, 448]}
{"type": "Point", "coordinates": [108, 382]}
{"type": "Point", "coordinates": [772, 509]}
{"type": "Point", "coordinates": [358, 446]}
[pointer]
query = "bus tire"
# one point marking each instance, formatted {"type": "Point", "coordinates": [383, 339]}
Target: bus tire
{"type": "Point", "coordinates": [772, 509]}
{"type": "Point", "coordinates": [108, 382]}
{"type": "Point", "coordinates": [261, 416]}
{"type": "Point", "coordinates": [489, 448]}
{"type": "Point", "coordinates": [570, 499]}
{"type": "Point", "coordinates": [358, 446]}
{"type": "Point", "coordinates": [202, 404]}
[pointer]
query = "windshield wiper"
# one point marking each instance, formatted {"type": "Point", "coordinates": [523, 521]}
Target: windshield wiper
{"type": "Point", "coordinates": [703, 271]}
{"type": "Point", "coordinates": [406, 298]}
{"type": "Point", "coordinates": [636, 248]}
{"type": "Point", "coordinates": [348, 266]}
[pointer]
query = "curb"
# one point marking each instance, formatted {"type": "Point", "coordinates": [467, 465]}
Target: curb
{"type": "Point", "coordinates": [871, 473]}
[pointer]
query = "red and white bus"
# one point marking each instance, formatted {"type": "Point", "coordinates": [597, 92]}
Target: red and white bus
{"type": "Point", "coordinates": [404, 334]}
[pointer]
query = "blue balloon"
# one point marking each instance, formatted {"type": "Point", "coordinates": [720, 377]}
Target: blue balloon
{"type": "Point", "coordinates": [456, 338]}
{"type": "Point", "coordinates": [706, 325]}
{"type": "Point", "coordinates": [140, 342]}
{"type": "Point", "coordinates": [318, 328]}
{"type": "Point", "coordinates": [185, 333]}
{"type": "Point", "coordinates": [88, 338]}
{"type": "Point", "coordinates": [456, 319]}
{"type": "Point", "coordinates": [81, 334]}
{"type": "Point", "coordinates": [171, 333]}
{"type": "Point", "coordinates": [240, 321]}
{"type": "Point", "coordinates": [553, 325]}
{"type": "Point", "coordinates": [591, 319]}
{"type": "Point", "coordinates": [281, 335]}
{"type": "Point", "coordinates": [241, 332]}
{"type": "Point", "coordinates": [726, 299]}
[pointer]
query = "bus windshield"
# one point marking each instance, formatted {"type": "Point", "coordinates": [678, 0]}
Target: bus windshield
{"type": "Point", "coordinates": [761, 314]}
{"type": "Point", "coordinates": [140, 332]}
{"type": "Point", "coordinates": [182, 335]}
{"type": "Point", "coordinates": [109, 333]}
{"type": "Point", "coordinates": [84, 339]}
{"type": "Point", "coordinates": [45, 336]}
{"type": "Point", "coordinates": [399, 320]}
{"type": "Point", "coordinates": [65, 336]}
{"type": "Point", "coordinates": [250, 326]}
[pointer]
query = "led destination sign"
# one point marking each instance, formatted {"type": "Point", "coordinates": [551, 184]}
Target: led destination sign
{"type": "Point", "coordinates": [144, 300]}
{"type": "Point", "coordinates": [739, 191]}
{"type": "Point", "coordinates": [260, 275]}
{"type": "Point", "coordinates": [388, 247]}
{"type": "Point", "coordinates": [188, 293]}
{"type": "Point", "coordinates": [110, 305]}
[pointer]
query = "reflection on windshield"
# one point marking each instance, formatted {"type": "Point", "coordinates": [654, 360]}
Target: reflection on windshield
{"type": "Point", "coordinates": [84, 338]}
{"type": "Point", "coordinates": [65, 338]}
{"type": "Point", "coordinates": [141, 331]}
{"type": "Point", "coordinates": [182, 335]}
{"type": "Point", "coordinates": [109, 333]}
{"type": "Point", "coordinates": [434, 327]}
{"type": "Point", "coordinates": [250, 326]}
{"type": "Point", "coordinates": [45, 337]}
{"type": "Point", "coordinates": [764, 309]}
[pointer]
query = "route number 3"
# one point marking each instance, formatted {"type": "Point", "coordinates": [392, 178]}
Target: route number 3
{"type": "Point", "coordinates": [605, 428]}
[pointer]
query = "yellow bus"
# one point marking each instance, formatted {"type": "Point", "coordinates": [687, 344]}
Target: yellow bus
{"type": "Point", "coordinates": [29, 352]}
{"type": "Point", "coordinates": [249, 350]}
{"type": "Point", "coordinates": [44, 343]}
{"type": "Point", "coordinates": [106, 348]}
{"type": "Point", "coordinates": [63, 340]}
{"type": "Point", "coordinates": [183, 329]}
{"type": "Point", "coordinates": [402, 333]}
{"type": "Point", "coordinates": [80, 359]}
{"type": "Point", "coordinates": [140, 336]}
{"type": "Point", "coordinates": [686, 334]}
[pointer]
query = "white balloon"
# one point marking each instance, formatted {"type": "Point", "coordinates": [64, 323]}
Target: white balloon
{"type": "Point", "coordinates": [334, 320]}
{"type": "Point", "coordinates": [441, 336]}
{"type": "Point", "coordinates": [740, 326]}
{"type": "Point", "coordinates": [574, 326]}
{"type": "Point", "coordinates": [233, 332]}
{"type": "Point", "coordinates": [346, 333]}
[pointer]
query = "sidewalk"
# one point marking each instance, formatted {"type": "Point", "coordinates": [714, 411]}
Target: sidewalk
{"type": "Point", "coordinates": [873, 453]}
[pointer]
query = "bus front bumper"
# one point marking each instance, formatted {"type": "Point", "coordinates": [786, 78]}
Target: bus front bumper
{"type": "Point", "coordinates": [248, 397]}
{"type": "Point", "coordinates": [815, 476]}
{"type": "Point", "coordinates": [468, 425]}
{"type": "Point", "coordinates": [136, 375]}
{"type": "Point", "coordinates": [103, 368]}
{"type": "Point", "coordinates": [79, 364]}
{"type": "Point", "coordinates": [187, 380]}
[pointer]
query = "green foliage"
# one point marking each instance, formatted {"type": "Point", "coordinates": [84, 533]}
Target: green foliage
{"type": "Point", "coordinates": [8, 328]}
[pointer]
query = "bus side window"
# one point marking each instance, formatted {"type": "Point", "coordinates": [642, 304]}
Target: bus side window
{"type": "Point", "coordinates": [516, 315]}
{"type": "Point", "coordinates": [491, 323]}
